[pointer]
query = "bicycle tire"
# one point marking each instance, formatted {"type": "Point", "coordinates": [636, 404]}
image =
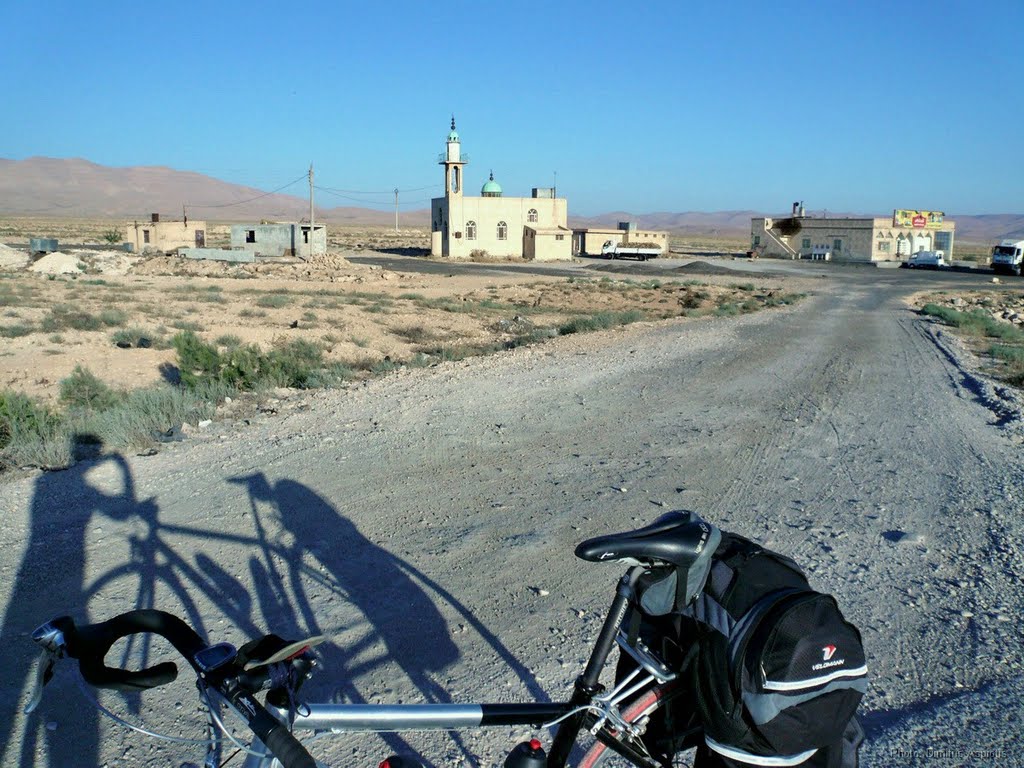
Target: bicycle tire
{"type": "Point", "coordinates": [644, 706]}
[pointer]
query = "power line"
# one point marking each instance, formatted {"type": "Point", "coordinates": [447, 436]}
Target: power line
{"type": "Point", "coordinates": [258, 197]}
{"type": "Point", "coordinates": [380, 192]}
{"type": "Point", "coordinates": [371, 203]}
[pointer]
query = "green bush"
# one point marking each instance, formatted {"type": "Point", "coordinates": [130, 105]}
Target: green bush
{"type": "Point", "coordinates": [727, 309]}
{"type": "Point", "coordinates": [31, 435]}
{"type": "Point", "coordinates": [112, 317]}
{"type": "Point", "coordinates": [977, 322]}
{"type": "Point", "coordinates": [84, 391]}
{"type": "Point", "coordinates": [297, 363]}
{"type": "Point", "coordinates": [113, 236]}
{"type": "Point", "coordinates": [21, 416]}
{"type": "Point", "coordinates": [63, 316]}
{"type": "Point", "coordinates": [600, 321]}
{"type": "Point", "coordinates": [8, 297]}
{"type": "Point", "coordinates": [416, 334]}
{"type": "Point", "coordinates": [196, 359]}
{"type": "Point", "coordinates": [1013, 357]}
{"type": "Point", "coordinates": [187, 325]}
{"type": "Point", "coordinates": [774, 300]}
{"type": "Point", "coordinates": [144, 414]}
{"type": "Point", "coordinates": [1010, 355]}
{"type": "Point", "coordinates": [14, 331]}
{"type": "Point", "coordinates": [274, 300]}
{"type": "Point", "coordinates": [228, 340]}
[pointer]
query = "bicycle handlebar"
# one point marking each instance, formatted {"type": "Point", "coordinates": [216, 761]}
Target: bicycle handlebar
{"type": "Point", "coordinates": [90, 643]}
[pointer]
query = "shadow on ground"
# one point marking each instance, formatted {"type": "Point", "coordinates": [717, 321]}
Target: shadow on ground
{"type": "Point", "coordinates": [294, 548]}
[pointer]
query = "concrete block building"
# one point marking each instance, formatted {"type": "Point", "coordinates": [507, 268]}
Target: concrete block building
{"type": "Point", "coordinates": [508, 227]}
{"type": "Point", "coordinates": [276, 239]}
{"type": "Point", "coordinates": [590, 241]}
{"type": "Point", "coordinates": [869, 239]}
{"type": "Point", "coordinates": [165, 236]}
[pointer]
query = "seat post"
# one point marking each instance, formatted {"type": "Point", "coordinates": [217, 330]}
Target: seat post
{"type": "Point", "coordinates": [587, 684]}
{"type": "Point", "coordinates": [624, 593]}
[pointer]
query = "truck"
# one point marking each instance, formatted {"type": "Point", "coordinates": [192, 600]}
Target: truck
{"type": "Point", "coordinates": [642, 251]}
{"type": "Point", "coordinates": [1007, 257]}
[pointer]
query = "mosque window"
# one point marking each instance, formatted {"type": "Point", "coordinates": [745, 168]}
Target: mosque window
{"type": "Point", "coordinates": [502, 230]}
{"type": "Point", "coordinates": [471, 230]}
{"type": "Point", "coordinates": [531, 215]}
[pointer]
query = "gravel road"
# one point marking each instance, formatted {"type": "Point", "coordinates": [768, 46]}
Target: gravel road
{"type": "Point", "coordinates": [426, 522]}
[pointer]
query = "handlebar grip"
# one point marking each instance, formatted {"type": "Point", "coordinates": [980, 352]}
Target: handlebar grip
{"type": "Point", "coordinates": [288, 749]}
{"type": "Point", "coordinates": [271, 731]}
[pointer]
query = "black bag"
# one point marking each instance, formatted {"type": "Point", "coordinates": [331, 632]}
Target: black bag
{"type": "Point", "coordinates": [779, 671]}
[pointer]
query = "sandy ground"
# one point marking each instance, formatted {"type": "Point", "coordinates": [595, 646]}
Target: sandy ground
{"type": "Point", "coordinates": [360, 313]}
{"type": "Point", "coordinates": [425, 521]}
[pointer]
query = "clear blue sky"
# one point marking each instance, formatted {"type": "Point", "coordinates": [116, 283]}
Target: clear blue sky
{"type": "Point", "coordinates": [643, 106]}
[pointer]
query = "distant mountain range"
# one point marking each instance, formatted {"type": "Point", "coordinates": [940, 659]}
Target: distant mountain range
{"type": "Point", "coordinates": [43, 186]}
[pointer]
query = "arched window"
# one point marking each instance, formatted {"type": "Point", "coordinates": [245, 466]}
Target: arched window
{"type": "Point", "coordinates": [531, 215]}
{"type": "Point", "coordinates": [471, 230]}
{"type": "Point", "coordinates": [502, 230]}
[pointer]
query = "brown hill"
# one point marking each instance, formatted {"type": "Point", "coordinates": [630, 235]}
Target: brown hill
{"type": "Point", "coordinates": [75, 187]}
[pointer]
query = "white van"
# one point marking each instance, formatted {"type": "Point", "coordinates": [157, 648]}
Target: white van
{"type": "Point", "coordinates": [927, 260]}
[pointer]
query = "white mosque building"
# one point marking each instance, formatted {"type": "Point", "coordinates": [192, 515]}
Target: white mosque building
{"type": "Point", "coordinates": [492, 224]}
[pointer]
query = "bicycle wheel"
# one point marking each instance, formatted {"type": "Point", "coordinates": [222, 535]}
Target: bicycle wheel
{"type": "Point", "coordinates": [643, 707]}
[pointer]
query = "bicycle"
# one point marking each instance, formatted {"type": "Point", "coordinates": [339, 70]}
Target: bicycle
{"type": "Point", "coordinates": [232, 677]}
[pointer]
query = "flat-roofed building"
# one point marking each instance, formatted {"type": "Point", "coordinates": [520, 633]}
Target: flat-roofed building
{"type": "Point", "coordinates": [867, 239]}
{"type": "Point", "coordinates": [165, 236]}
{"type": "Point", "coordinates": [281, 238]}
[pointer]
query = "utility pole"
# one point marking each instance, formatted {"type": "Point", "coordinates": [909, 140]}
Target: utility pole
{"type": "Point", "coordinates": [396, 209]}
{"type": "Point", "coordinates": [311, 211]}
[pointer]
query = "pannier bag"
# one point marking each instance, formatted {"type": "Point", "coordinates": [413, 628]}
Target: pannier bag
{"type": "Point", "coordinates": [777, 669]}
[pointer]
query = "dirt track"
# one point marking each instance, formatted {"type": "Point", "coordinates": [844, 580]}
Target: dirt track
{"type": "Point", "coordinates": [426, 522]}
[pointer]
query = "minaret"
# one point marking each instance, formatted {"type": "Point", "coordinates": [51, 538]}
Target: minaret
{"type": "Point", "coordinates": [453, 163]}
{"type": "Point", "coordinates": [452, 235]}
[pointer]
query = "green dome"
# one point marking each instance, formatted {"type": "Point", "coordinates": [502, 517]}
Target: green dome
{"type": "Point", "coordinates": [491, 188]}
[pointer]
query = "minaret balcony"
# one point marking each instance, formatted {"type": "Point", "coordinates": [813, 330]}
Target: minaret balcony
{"type": "Point", "coordinates": [443, 158]}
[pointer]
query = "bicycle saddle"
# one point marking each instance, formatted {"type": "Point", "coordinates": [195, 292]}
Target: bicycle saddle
{"type": "Point", "coordinates": [680, 539]}
{"type": "Point", "coordinates": [676, 538]}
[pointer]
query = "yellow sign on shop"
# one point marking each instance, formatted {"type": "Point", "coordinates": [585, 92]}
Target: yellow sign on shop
{"type": "Point", "coordinates": [917, 219]}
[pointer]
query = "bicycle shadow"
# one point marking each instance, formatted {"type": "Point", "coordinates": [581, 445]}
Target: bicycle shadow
{"type": "Point", "coordinates": [50, 582]}
{"type": "Point", "coordinates": [327, 551]}
{"type": "Point", "coordinates": [301, 555]}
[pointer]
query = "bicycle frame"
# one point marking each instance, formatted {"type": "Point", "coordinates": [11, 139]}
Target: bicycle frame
{"type": "Point", "coordinates": [573, 715]}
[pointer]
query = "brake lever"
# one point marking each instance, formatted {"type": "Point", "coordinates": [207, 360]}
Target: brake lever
{"type": "Point", "coordinates": [52, 640]}
{"type": "Point", "coordinates": [44, 673]}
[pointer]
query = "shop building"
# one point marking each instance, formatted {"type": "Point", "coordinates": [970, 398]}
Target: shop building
{"type": "Point", "coordinates": [868, 239]}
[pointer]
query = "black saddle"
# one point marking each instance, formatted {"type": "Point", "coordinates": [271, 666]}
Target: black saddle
{"type": "Point", "coordinates": [676, 538]}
